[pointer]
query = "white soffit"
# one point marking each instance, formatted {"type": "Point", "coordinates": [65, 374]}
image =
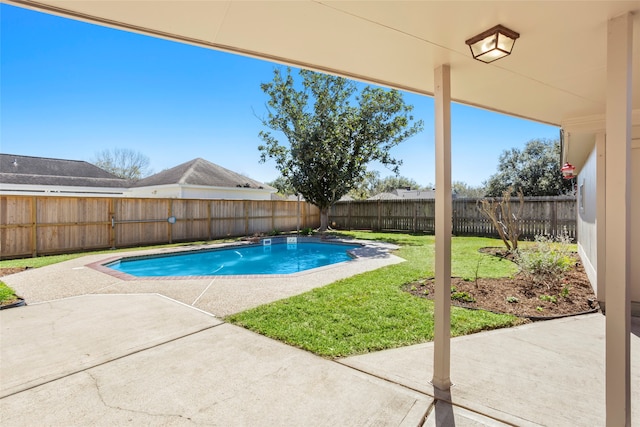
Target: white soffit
{"type": "Point", "coordinates": [557, 70]}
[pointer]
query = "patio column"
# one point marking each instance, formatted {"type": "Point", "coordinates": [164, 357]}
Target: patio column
{"type": "Point", "coordinates": [617, 221]}
{"type": "Point", "coordinates": [601, 217]}
{"type": "Point", "coordinates": [442, 311]}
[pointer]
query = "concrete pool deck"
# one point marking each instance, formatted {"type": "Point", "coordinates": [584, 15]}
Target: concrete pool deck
{"type": "Point", "coordinates": [105, 358]}
{"type": "Point", "coordinates": [218, 295]}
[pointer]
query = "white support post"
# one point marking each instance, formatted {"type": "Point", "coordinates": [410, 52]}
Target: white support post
{"type": "Point", "coordinates": [617, 221]}
{"type": "Point", "coordinates": [601, 218]}
{"type": "Point", "coordinates": [442, 311]}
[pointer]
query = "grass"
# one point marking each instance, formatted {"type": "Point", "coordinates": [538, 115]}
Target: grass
{"type": "Point", "coordinates": [370, 311]}
{"type": "Point", "coordinates": [366, 312]}
{"type": "Point", "coordinates": [6, 293]}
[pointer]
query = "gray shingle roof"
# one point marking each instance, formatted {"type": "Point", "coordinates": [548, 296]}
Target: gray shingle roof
{"type": "Point", "coordinates": [200, 172]}
{"type": "Point", "coordinates": [384, 196]}
{"type": "Point", "coordinates": [15, 169]}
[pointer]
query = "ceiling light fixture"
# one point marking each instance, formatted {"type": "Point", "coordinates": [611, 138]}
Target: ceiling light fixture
{"type": "Point", "coordinates": [492, 44]}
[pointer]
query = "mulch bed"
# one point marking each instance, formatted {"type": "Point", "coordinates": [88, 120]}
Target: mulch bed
{"type": "Point", "coordinates": [518, 295]}
{"type": "Point", "coordinates": [10, 270]}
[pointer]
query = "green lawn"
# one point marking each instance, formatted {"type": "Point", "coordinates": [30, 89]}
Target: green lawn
{"type": "Point", "coordinates": [6, 293]}
{"type": "Point", "coordinates": [370, 311]}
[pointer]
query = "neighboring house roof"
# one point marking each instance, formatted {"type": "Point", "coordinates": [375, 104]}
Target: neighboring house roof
{"type": "Point", "coordinates": [403, 193]}
{"type": "Point", "coordinates": [26, 170]}
{"type": "Point", "coordinates": [414, 194]}
{"type": "Point", "coordinates": [384, 196]}
{"type": "Point", "coordinates": [200, 172]}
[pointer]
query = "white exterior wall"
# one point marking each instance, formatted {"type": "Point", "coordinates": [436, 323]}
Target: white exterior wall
{"type": "Point", "coordinates": [587, 223]}
{"type": "Point", "coordinates": [162, 192]}
{"type": "Point", "coordinates": [225, 193]}
{"type": "Point", "coordinates": [200, 192]}
{"type": "Point", "coordinates": [587, 226]}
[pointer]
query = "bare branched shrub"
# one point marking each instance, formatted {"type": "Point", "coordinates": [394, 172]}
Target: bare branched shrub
{"type": "Point", "coordinates": [503, 217]}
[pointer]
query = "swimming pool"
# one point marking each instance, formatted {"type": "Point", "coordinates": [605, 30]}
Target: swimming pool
{"type": "Point", "coordinates": [277, 258]}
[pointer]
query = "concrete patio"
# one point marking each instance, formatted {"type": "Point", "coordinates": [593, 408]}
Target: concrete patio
{"type": "Point", "coordinates": [87, 354]}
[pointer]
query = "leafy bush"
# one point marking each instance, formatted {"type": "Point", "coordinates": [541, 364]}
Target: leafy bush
{"type": "Point", "coordinates": [546, 261]}
{"type": "Point", "coordinates": [308, 231]}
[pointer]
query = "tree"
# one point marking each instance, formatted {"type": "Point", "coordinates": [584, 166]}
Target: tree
{"type": "Point", "coordinates": [505, 220]}
{"type": "Point", "coordinates": [462, 189]}
{"type": "Point", "coordinates": [390, 183]}
{"type": "Point", "coordinates": [363, 189]}
{"type": "Point", "coordinates": [331, 141]}
{"type": "Point", "coordinates": [283, 186]}
{"type": "Point", "coordinates": [372, 185]}
{"type": "Point", "coordinates": [124, 163]}
{"type": "Point", "coordinates": [534, 170]}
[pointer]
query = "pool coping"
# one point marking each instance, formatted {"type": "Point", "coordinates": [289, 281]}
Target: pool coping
{"type": "Point", "coordinates": [356, 254]}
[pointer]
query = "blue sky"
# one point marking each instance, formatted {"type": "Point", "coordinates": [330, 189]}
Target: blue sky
{"type": "Point", "coordinates": [69, 89]}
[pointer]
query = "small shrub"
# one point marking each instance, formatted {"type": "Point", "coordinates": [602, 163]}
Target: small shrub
{"type": "Point", "coordinates": [275, 232]}
{"type": "Point", "coordinates": [462, 296]}
{"type": "Point", "coordinates": [546, 261]}
{"type": "Point", "coordinates": [549, 298]}
{"type": "Point", "coordinates": [538, 308]}
{"type": "Point", "coordinates": [512, 300]}
{"type": "Point", "coordinates": [308, 231]}
{"type": "Point", "coordinates": [565, 291]}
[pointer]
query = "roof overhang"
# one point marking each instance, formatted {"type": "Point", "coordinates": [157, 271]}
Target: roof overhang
{"type": "Point", "coordinates": [579, 137]}
{"type": "Point", "coordinates": [557, 70]}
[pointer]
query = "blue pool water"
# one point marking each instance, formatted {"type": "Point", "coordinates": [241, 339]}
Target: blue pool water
{"type": "Point", "coordinates": [274, 259]}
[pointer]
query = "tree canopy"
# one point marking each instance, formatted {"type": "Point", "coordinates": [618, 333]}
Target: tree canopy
{"type": "Point", "coordinates": [283, 186]}
{"type": "Point", "coordinates": [124, 163]}
{"type": "Point", "coordinates": [462, 189]}
{"type": "Point", "coordinates": [333, 131]}
{"type": "Point", "coordinates": [535, 170]}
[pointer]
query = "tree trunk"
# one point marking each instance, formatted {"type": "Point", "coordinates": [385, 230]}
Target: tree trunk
{"type": "Point", "coordinates": [324, 219]}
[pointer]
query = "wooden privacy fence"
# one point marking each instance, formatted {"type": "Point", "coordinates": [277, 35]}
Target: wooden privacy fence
{"type": "Point", "coordinates": [38, 225]}
{"type": "Point", "coordinates": [541, 215]}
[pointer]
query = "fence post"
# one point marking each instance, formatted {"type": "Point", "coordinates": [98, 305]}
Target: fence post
{"type": "Point", "coordinates": [349, 216]}
{"type": "Point", "coordinates": [169, 226]}
{"type": "Point", "coordinates": [454, 218]}
{"type": "Point", "coordinates": [246, 217]}
{"type": "Point", "coordinates": [273, 215]}
{"type": "Point", "coordinates": [303, 214]}
{"type": "Point", "coordinates": [554, 218]}
{"type": "Point", "coordinates": [209, 219]}
{"type": "Point", "coordinates": [112, 226]}
{"type": "Point", "coordinates": [34, 226]}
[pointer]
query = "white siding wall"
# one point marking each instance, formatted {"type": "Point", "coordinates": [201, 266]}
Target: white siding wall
{"type": "Point", "coordinates": [162, 192]}
{"type": "Point", "coordinates": [201, 192]}
{"type": "Point", "coordinates": [225, 193]}
{"type": "Point", "coordinates": [587, 237]}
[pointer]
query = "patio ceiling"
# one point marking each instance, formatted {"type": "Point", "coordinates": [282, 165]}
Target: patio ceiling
{"type": "Point", "coordinates": [557, 70]}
